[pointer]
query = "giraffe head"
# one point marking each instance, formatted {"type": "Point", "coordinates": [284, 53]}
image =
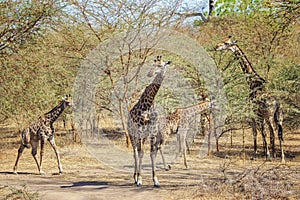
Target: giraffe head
{"type": "Point", "coordinates": [159, 67]}
{"type": "Point", "coordinates": [227, 44]}
{"type": "Point", "coordinates": [68, 100]}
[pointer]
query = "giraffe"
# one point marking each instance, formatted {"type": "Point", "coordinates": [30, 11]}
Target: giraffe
{"type": "Point", "coordinates": [266, 108]}
{"type": "Point", "coordinates": [142, 120]}
{"type": "Point", "coordinates": [42, 130]}
{"type": "Point", "coordinates": [179, 122]}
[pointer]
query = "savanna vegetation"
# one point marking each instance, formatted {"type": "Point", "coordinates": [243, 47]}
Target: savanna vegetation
{"type": "Point", "coordinates": [44, 43]}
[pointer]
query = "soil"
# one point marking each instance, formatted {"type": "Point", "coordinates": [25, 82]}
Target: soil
{"type": "Point", "coordinates": [227, 174]}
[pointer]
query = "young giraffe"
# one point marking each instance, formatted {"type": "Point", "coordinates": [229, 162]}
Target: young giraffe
{"type": "Point", "coordinates": [142, 120]}
{"type": "Point", "coordinates": [267, 108]}
{"type": "Point", "coordinates": [42, 130]}
{"type": "Point", "coordinates": [179, 122]}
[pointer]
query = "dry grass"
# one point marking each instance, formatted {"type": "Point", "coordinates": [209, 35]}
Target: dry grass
{"type": "Point", "coordinates": [225, 175]}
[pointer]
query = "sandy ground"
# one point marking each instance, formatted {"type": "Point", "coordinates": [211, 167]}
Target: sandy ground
{"type": "Point", "coordinates": [85, 177]}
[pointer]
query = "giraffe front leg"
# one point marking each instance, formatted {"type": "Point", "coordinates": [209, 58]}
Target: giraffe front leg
{"type": "Point", "coordinates": [52, 142]}
{"type": "Point", "coordinates": [282, 152]}
{"type": "Point", "coordinates": [139, 167]}
{"type": "Point", "coordinates": [41, 155]}
{"type": "Point", "coordinates": [280, 136]}
{"type": "Point", "coordinates": [184, 143]}
{"type": "Point", "coordinates": [135, 175]}
{"type": "Point", "coordinates": [264, 136]}
{"type": "Point", "coordinates": [254, 133]}
{"type": "Point", "coordinates": [163, 158]}
{"type": "Point", "coordinates": [20, 151]}
{"type": "Point", "coordinates": [153, 153]}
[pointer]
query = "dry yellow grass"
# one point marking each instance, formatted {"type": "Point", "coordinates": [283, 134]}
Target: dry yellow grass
{"type": "Point", "coordinates": [224, 175]}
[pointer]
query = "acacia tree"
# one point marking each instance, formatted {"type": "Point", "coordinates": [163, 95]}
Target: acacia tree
{"type": "Point", "coordinates": [22, 23]}
{"type": "Point", "coordinates": [265, 32]}
{"type": "Point", "coordinates": [107, 18]}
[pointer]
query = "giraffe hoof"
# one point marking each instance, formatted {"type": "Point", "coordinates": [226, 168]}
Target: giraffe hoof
{"type": "Point", "coordinates": [156, 185]}
{"type": "Point", "coordinates": [42, 173]}
{"type": "Point", "coordinates": [139, 184]}
{"type": "Point", "coordinates": [15, 172]}
{"type": "Point", "coordinates": [169, 167]}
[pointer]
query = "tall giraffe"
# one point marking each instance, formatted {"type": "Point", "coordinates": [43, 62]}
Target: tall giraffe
{"type": "Point", "coordinates": [267, 109]}
{"type": "Point", "coordinates": [142, 120]}
{"type": "Point", "coordinates": [179, 122]}
{"type": "Point", "coordinates": [42, 130]}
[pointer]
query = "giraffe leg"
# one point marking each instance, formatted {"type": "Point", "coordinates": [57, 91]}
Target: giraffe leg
{"type": "Point", "coordinates": [254, 132]}
{"type": "Point", "coordinates": [184, 149]}
{"type": "Point", "coordinates": [179, 150]}
{"type": "Point", "coordinates": [278, 121]}
{"type": "Point", "coordinates": [139, 166]}
{"type": "Point", "coordinates": [133, 141]}
{"type": "Point", "coordinates": [264, 136]}
{"type": "Point", "coordinates": [20, 151]}
{"type": "Point", "coordinates": [41, 155]}
{"type": "Point", "coordinates": [153, 153]}
{"type": "Point", "coordinates": [135, 156]}
{"type": "Point", "coordinates": [271, 127]}
{"type": "Point", "coordinates": [187, 146]}
{"type": "Point", "coordinates": [52, 142]}
{"type": "Point", "coordinates": [34, 145]}
{"type": "Point", "coordinates": [282, 151]}
{"type": "Point", "coordinates": [163, 158]}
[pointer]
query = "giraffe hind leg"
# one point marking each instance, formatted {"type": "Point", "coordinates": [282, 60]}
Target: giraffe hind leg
{"type": "Point", "coordinates": [34, 145]}
{"type": "Point", "coordinates": [25, 138]}
{"type": "Point", "coordinates": [20, 151]}
{"type": "Point", "coordinates": [153, 154]}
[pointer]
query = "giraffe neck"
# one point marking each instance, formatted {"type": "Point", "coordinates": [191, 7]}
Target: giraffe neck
{"type": "Point", "coordinates": [146, 100]}
{"type": "Point", "coordinates": [254, 80]}
{"type": "Point", "coordinates": [244, 62]}
{"type": "Point", "coordinates": [193, 110]}
{"type": "Point", "coordinates": [186, 113]}
{"type": "Point", "coordinates": [55, 112]}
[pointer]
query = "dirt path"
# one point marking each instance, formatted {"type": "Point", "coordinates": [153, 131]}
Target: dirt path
{"type": "Point", "coordinates": [84, 177]}
{"type": "Point", "coordinates": [87, 185]}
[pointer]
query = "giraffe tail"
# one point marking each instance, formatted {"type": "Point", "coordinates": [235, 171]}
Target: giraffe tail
{"type": "Point", "coordinates": [280, 134]}
{"type": "Point", "coordinates": [25, 138]}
